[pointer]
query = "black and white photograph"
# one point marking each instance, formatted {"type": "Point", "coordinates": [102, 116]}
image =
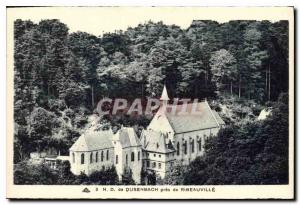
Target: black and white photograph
{"type": "Point", "coordinates": [151, 102]}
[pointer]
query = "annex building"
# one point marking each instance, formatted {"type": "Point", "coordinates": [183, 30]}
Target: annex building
{"type": "Point", "coordinates": [171, 137]}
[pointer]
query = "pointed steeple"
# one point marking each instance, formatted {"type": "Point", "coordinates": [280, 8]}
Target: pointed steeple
{"type": "Point", "coordinates": [164, 95]}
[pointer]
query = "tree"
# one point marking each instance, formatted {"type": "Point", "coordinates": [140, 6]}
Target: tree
{"type": "Point", "coordinates": [28, 174]}
{"type": "Point", "coordinates": [27, 79]}
{"type": "Point", "coordinates": [41, 124]}
{"type": "Point", "coordinates": [275, 42]}
{"type": "Point", "coordinates": [87, 48]}
{"type": "Point", "coordinates": [254, 58]}
{"type": "Point", "coordinates": [106, 176]}
{"type": "Point", "coordinates": [73, 93]}
{"type": "Point", "coordinates": [196, 173]}
{"type": "Point", "coordinates": [139, 71]}
{"type": "Point", "coordinates": [176, 175]}
{"type": "Point", "coordinates": [21, 143]}
{"type": "Point", "coordinates": [224, 69]}
{"type": "Point", "coordinates": [65, 176]}
{"type": "Point", "coordinates": [55, 57]}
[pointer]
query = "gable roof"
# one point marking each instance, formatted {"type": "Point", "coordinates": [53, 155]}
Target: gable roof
{"type": "Point", "coordinates": [127, 137]}
{"type": "Point", "coordinates": [95, 140]}
{"type": "Point", "coordinates": [218, 118]}
{"type": "Point", "coordinates": [204, 118]}
{"type": "Point", "coordinates": [155, 141]}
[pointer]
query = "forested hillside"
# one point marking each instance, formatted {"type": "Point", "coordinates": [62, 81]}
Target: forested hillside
{"type": "Point", "coordinates": [60, 76]}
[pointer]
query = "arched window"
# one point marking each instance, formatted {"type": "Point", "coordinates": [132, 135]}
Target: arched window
{"type": "Point", "coordinates": [178, 148]}
{"type": "Point", "coordinates": [206, 138]}
{"type": "Point", "coordinates": [107, 155]}
{"type": "Point", "coordinates": [73, 157]}
{"type": "Point", "coordinates": [139, 156]}
{"type": "Point", "coordinates": [117, 159]}
{"type": "Point", "coordinates": [199, 144]}
{"type": "Point", "coordinates": [91, 157]}
{"type": "Point", "coordinates": [132, 156]}
{"type": "Point", "coordinates": [82, 158]}
{"type": "Point", "coordinates": [193, 145]}
{"type": "Point", "coordinates": [185, 147]}
{"type": "Point", "coordinates": [96, 156]}
{"type": "Point", "coordinates": [126, 158]}
{"type": "Point", "coordinates": [102, 156]}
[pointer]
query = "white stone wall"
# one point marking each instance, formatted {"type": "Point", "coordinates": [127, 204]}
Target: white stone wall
{"type": "Point", "coordinates": [190, 137]}
{"type": "Point", "coordinates": [91, 166]}
{"type": "Point", "coordinates": [118, 153]}
{"type": "Point", "coordinates": [160, 123]}
{"type": "Point", "coordinates": [135, 166]}
{"type": "Point", "coordinates": [162, 162]}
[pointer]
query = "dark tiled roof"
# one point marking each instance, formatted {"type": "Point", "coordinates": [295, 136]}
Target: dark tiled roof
{"type": "Point", "coordinates": [95, 140]}
{"type": "Point", "coordinates": [154, 141]}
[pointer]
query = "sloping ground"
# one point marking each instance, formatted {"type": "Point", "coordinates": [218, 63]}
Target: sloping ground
{"type": "Point", "coordinates": [93, 123]}
{"type": "Point", "coordinates": [264, 113]}
{"type": "Point", "coordinates": [234, 110]}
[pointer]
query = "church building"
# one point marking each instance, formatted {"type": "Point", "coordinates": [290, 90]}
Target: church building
{"type": "Point", "coordinates": [96, 150]}
{"type": "Point", "coordinates": [172, 137]}
{"type": "Point", "coordinates": [176, 136]}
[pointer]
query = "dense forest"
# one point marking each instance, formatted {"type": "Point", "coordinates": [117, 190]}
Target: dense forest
{"type": "Point", "coordinates": [238, 65]}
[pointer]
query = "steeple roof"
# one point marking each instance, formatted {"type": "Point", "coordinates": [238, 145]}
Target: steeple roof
{"type": "Point", "coordinates": [164, 95]}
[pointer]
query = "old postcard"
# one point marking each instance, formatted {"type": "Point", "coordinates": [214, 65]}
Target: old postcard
{"type": "Point", "coordinates": [150, 103]}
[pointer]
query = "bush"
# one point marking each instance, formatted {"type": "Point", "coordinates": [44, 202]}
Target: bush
{"type": "Point", "coordinates": [106, 176]}
{"type": "Point", "coordinates": [56, 105]}
{"type": "Point", "coordinates": [28, 174]}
